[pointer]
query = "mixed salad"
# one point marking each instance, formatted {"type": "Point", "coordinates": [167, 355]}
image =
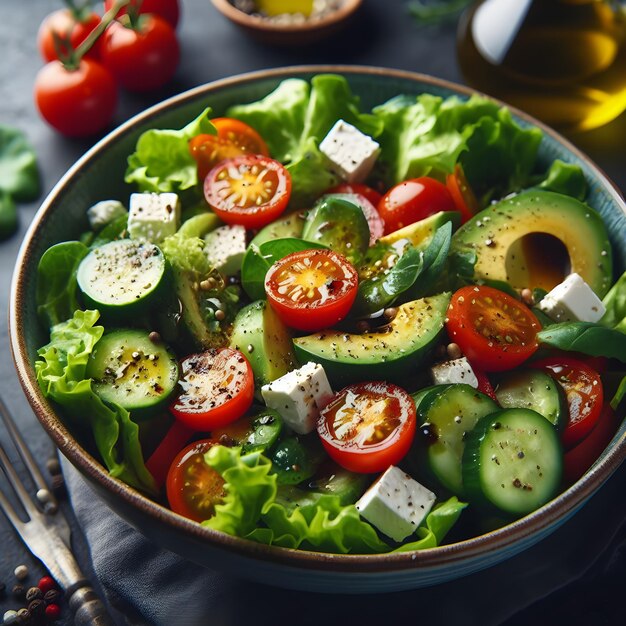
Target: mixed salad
{"type": "Point", "coordinates": [323, 328]}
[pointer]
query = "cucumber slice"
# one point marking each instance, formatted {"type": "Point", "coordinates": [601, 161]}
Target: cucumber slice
{"type": "Point", "coordinates": [122, 278]}
{"type": "Point", "coordinates": [128, 368]}
{"type": "Point", "coordinates": [534, 389]}
{"type": "Point", "coordinates": [446, 418]}
{"type": "Point", "coordinates": [253, 432]}
{"type": "Point", "coordinates": [513, 461]}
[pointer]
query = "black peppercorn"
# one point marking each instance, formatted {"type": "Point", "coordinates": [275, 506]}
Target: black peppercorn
{"type": "Point", "coordinates": [53, 466]}
{"type": "Point", "coordinates": [58, 486]}
{"type": "Point", "coordinates": [37, 609]}
{"type": "Point", "coordinates": [24, 616]}
{"type": "Point", "coordinates": [34, 593]}
{"type": "Point", "coordinates": [52, 596]}
{"type": "Point", "coordinates": [19, 592]}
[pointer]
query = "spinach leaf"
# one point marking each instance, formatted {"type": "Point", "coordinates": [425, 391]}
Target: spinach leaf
{"type": "Point", "coordinates": [8, 216]}
{"type": "Point", "coordinates": [585, 337]}
{"type": "Point", "coordinates": [615, 303]}
{"type": "Point", "coordinates": [56, 282]}
{"type": "Point", "coordinates": [19, 174]}
{"type": "Point", "coordinates": [258, 259]}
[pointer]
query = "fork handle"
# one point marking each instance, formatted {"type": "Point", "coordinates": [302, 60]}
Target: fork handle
{"type": "Point", "coordinates": [87, 607]}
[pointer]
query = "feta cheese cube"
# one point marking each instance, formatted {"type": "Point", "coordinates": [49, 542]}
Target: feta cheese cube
{"type": "Point", "coordinates": [455, 371]}
{"type": "Point", "coordinates": [225, 247]}
{"type": "Point", "coordinates": [298, 396]}
{"type": "Point", "coordinates": [101, 213]}
{"type": "Point", "coordinates": [351, 153]}
{"type": "Point", "coordinates": [153, 216]}
{"type": "Point", "coordinates": [573, 300]}
{"type": "Point", "coordinates": [396, 504]}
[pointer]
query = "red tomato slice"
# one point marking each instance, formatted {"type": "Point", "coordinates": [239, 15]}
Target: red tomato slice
{"type": "Point", "coordinates": [174, 441]}
{"type": "Point", "coordinates": [233, 139]}
{"type": "Point", "coordinates": [193, 488]}
{"type": "Point", "coordinates": [251, 190]}
{"type": "Point", "coordinates": [413, 200]}
{"type": "Point", "coordinates": [217, 388]}
{"type": "Point", "coordinates": [311, 289]}
{"type": "Point", "coordinates": [584, 392]}
{"type": "Point", "coordinates": [494, 330]}
{"type": "Point", "coordinates": [462, 194]}
{"type": "Point", "coordinates": [369, 426]}
{"type": "Point", "coordinates": [359, 188]}
{"type": "Point", "coordinates": [484, 384]}
{"type": "Point", "coordinates": [582, 456]}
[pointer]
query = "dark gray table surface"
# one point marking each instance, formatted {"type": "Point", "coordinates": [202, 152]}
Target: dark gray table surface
{"type": "Point", "coordinates": [382, 35]}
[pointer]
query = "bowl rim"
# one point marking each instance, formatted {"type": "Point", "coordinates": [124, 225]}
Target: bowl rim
{"type": "Point", "coordinates": [226, 8]}
{"type": "Point", "coordinates": [544, 518]}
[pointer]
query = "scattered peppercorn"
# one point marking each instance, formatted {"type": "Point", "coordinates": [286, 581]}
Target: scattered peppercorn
{"type": "Point", "coordinates": [53, 612]}
{"type": "Point", "coordinates": [23, 616]}
{"type": "Point", "coordinates": [52, 596]}
{"type": "Point", "coordinates": [37, 609]}
{"type": "Point", "coordinates": [58, 486]}
{"type": "Point", "coordinates": [19, 592]}
{"type": "Point", "coordinates": [34, 593]}
{"type": "Point", "coordinates": [154, 337]}
{"type": "Point", "coordinates": [220, 316]}
{"type": "Point", "coordinates": [53, 466]}
{"type": "Point", "coordinates": [454, 351]}
{"type": "Point", "coordinates": [21, 572]}
{"type": "Point", "coordinates": [10, 617]}
{"type": "Point", "coordinates": [46, 583]}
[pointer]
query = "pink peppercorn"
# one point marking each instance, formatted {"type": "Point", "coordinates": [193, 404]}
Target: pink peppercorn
{"type": "Point", "coordinates": [53, 612]}
{"type": "Point", "coordinates": [46, 583]}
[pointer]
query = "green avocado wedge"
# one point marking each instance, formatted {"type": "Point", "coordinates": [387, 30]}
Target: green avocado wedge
{"type": "Point", "coordinates": [516, 241]}
{"type": "Point", "coordinates": [391, 353]}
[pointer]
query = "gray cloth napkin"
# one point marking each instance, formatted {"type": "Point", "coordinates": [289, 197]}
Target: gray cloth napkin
{"type": "Point", "coordinates": [147, 584]}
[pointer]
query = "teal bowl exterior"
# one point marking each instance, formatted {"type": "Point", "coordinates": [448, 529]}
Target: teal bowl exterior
{"type": "Point", "coordinates": [99, 175]}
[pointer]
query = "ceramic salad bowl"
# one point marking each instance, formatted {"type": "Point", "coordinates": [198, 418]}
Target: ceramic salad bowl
{"type": "Point", "coordinates": [98, 175]}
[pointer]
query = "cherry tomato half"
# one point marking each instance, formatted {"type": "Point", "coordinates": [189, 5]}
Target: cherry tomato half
{"type": "Point", "coordinates": [141, 58]}
{"type": "Point", "coordinates": [251, 190]}
{"type": "Point", "coordinates": [413, 200]}
{"type": "Point", "coordinates": [169, 10]}
{"type": "Point", "coordinates": [582, 456]}
{"type": "Point", "coordinates": [462, 194]}
{"type": "Point", "coordinates": [369, 426]}
{"type": "Point", "coordinates": [71, 27]}
{"type": "Point", "coordinates": [371, 194]}
{"type": "Point", "coordinates": [311, 289]}
{"type": "Point", "coordinates": [584, 392]}
{"type": "Point", "coordinates": [79, 102]}
{"type": "Point", "coordinates": [233, 138]}
{"type": "Point", "coordinates": [217, 388]}
{"type": "Point", "coordinates": [492, 328]}
{"type": "Point", "coordinates": [194, 488]}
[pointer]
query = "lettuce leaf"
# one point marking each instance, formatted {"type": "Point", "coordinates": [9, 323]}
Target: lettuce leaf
{"type": "Point", "coordinates": [251, 510]}
{"type": "Point", "coordinates": [294, 119]}
{"type": "Point", "coordinates": [61, 369]}
{"type": "Point", "coordinates": [615, 304]}
{"type": "Point", "coordinates": [428, 135]}
{"type": "Point", "coordinates": [162, 161]}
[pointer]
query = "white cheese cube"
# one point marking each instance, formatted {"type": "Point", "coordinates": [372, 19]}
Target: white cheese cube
{"type": "Point", "coordinates": [153, 216]}
{"type": "Point", "coordinates": [351, 153]}
{"type": "Point", "coordinates": [396, 504]}
{"type": "Point", "coordinates": [298, 396]}
{"type": "Point", "coordinates": [225, 247]}
{"type": "Point", "coordinates": [573, 300]}
{"type": "Point", "coordinates": [104, 212]}
{"type": "Point", "coordinates": [452, 372]}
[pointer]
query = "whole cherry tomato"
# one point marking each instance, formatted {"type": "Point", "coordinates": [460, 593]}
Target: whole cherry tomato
{"type": "Point", "coordinates": [71, 27]}
{"type": "Point", "coordinates": [143, 56]}
{"type": "Point", "coordinates": [77, 102]}
{"type": "Point", "coordinates": [169, 10]}
{"type": "Point", "coordinates": [413, 200]}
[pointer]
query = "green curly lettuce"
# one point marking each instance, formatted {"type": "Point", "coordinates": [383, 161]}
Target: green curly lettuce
{"type": "Point", "coordinates": [61, 373]}
{"type": "Point", "coordinates": [251, 510]}
{"type": "Point", "coordinates": [162, 161]}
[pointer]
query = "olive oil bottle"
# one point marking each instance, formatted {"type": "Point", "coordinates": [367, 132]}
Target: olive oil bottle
{"type": "Point", "coordinates": [562, 61]}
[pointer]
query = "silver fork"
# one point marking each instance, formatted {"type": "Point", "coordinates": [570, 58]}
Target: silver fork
{"type": "Point", "coordinates": [47, 533]}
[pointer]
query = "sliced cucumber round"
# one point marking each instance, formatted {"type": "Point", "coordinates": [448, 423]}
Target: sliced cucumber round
{"type": "Point", "coordinates": [513, 461]}
{"type": "Point", "coordinates": [446, 418]}
{"type": "Point", "coordinates": [131, 370]}
{"type": "Point", "coordinates": [534, 389]}
{"type": "Point", "coordinates": [122, 277]}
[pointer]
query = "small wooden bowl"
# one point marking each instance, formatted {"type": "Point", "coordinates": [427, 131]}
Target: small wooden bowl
{"type": "Point", "coordinates": [288, 34]}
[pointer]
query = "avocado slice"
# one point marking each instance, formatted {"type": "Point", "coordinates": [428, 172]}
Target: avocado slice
{"type": "Point", "coordinates": [514, 242]}
{"type": "Point", "coordinates": [285, 226]}
{"type": "Point", "coordinates": [420, 233]}
{"type": "Point", "coordinates": [263, 338]}
{"type": "Point", "coordinates": [389, 354]}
